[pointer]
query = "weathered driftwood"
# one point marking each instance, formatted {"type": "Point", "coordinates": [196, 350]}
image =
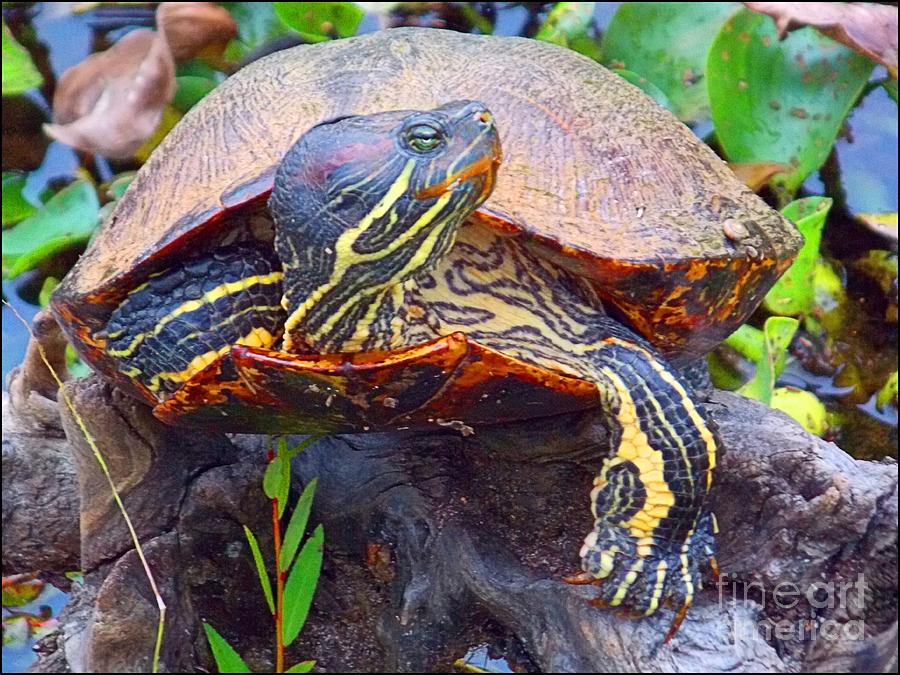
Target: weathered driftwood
{"type": "Point", "coordinates": [40, 488]}
{"type": "Point", "coordinates": [438, 543]}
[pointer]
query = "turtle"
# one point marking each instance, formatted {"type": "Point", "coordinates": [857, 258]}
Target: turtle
{"type": "Point", "coordinates": [418, 229]}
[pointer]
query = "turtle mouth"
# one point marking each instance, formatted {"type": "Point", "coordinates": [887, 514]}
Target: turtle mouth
{"type": "Point", "coordinates": [482, 170]}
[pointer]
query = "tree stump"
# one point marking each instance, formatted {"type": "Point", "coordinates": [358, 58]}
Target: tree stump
{"type": "Point", "coordinates": [438, 543]}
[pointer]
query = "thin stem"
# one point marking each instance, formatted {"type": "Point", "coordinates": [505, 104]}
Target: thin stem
{"type": "Point", "coordinates": [101, 460]}
{"type": "Point", "coordinates": [279, 591]}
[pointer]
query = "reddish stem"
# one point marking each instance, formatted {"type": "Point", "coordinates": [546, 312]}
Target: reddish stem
{"type": "Point", "coordinates": [279, 591]}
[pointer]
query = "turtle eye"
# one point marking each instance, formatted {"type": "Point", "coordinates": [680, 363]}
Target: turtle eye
{"type": "Point", "coordinates": [424, 137]}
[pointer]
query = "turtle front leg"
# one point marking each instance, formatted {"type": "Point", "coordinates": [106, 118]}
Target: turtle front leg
{"type": "Point", "coordinates": [653, 534]}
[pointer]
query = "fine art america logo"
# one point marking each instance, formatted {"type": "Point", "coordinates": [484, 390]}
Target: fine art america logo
{"type": "Point", "coordinates": [810, 608]}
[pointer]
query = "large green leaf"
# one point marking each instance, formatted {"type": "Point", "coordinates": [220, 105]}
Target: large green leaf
{"type": "Point", "coordinates": [67, 219]}
{"type": "Point", "coordinates": [646, 86]}
{"type": "Point", "coordinates": [301, 585]}
{"type": "Point", "coordinates": [565, 21]}
{"type": "Point", "coordinates": [804, 406]}
{"type": "Point", "coordinates": [320, 21]}
{"type": "Point", "coordinates": [780, 101]}
{"type": "Point", "coordinates": [569, 24]}
{"type": "Point", "coordinates": [227, 660]}
{"type": "Point", "coordinates": [794, 294]}
{"type": "Point", "coordinates": [257, 25]}
{"type": "Point", "coordinates": [190, 90]}
{"type": "Point", "coordinates": [15, 206]}
{"type": "Point", "coordinates": [667, 43]}
{"type": "Point", "coordinates": [19, 72]}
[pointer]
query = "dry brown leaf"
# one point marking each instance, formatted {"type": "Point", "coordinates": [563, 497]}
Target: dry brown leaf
{"type": "Point", "coordinates": [192, 27]}
{"type": "Point", "coordinates": [755, 175]}
{"type": "Point", "coordinates": [866, 28]}
{"type": "Point", "coordinates": [111, 102]}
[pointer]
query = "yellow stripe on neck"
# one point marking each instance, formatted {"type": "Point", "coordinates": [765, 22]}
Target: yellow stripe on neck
{"type": "Point", "coordinates": [344, 254]}
{"type": "Point", "coordinates": [417, 261]}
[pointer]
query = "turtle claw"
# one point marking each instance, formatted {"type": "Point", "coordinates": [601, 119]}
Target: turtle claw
{"type": "Point", "coordinates": [629, 614]}
{"type": "Point", "coordinates": [714, 568]}
{"type": "Point", "coordinates": [640, 582]}
{"type": "Point", "coordinates": [579, 579]}
{"type": "Point", "coordinates": [677, 621]}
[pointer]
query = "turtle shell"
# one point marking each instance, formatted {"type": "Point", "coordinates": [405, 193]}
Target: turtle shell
{"type": "Point", "coordinates": [595, 176]}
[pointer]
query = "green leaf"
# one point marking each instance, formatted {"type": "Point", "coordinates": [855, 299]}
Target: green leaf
{"type": "Point", "coordinates": [76, 367]}
{"type": "Point", "coordinates": [646, 86]}
{"type": "Point", "coordinates": [297, 526]}
{"type": "Point", "coordinates": [66, 220]}
{"type": "Point", "coordinates": [469, 12]}
{"type": "Point", "coordinates": [15, 206]}
{"type": "Point", "coordinates": [302, 667]}
{"type": "Point", "coordinates": [117, 186]}
{"type": "Point", "coordinates": [568, 24]}
{"type": "Point", "coordinates": [667, 43]}
{"type": "Point", "coordinates": [277, 481]}
{"type": "Point", "coordinates": [17, 594]}
{"type": "Point", "coordinates": [272, 477]}
{"type": "Point", "coordinates": [794, 293]}
{"type": "Point", "coordinates": [768, 353]}
{"type": "Point", "coordinates": [829, 314]}
{"type": "Point", "coordinates": [47, 288]}
{"type": "Point", "coordinates": [803, 406]}
{"type": "Point", "coordinates": [16, 631]}
{"type": "Point", "coordinates": [320, 21]}
{"type": "Point", "coordinates": [19, 72]}
{"type": "Point", "coordinates": [749, 342]}
{"type": "Point", "coordinates": [301, 585]}
{"type": "Point", "coordinates": [227, 660]}
{"type": "Point", "coordinates": [880, 266]}
{"type": "Point", "coordinates": [890, 86]}
{"type": "Point", "coordinates": [780, 101]}
{"type": "Point", "coordinates": [290, 453]}
{"type": "Point", "coordinates": [888, 392]}
{"type": "Point", "coordinates": [260, 568]}
{"type": "Point", "coordinates": [257, 25]}
{"type": "Point", "coordinates": [197, 68]}
{"type": "Point", "coordinates": [723, 373]}
{"type": "Point", "coordinates": [190, 90]}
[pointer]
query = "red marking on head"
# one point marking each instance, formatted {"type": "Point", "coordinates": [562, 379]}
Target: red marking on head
{"type": "Point", "coordinates": [320, 171]}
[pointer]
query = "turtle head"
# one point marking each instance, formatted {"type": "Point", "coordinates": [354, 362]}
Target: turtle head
{"type": "Point", "coordinates": [363, 203]}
